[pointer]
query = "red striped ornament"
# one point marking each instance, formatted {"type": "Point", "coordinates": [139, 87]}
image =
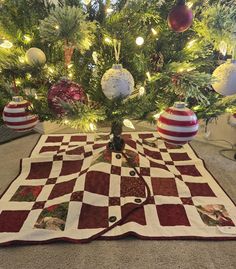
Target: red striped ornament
{"type": "Point", "coordinates": [17, 116]}
{"type": "Point", "coordinates": [177, 125]}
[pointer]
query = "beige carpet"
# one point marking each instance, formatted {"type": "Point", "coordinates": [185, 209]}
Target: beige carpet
{"type": "Point", "coordinates": [126, 253]}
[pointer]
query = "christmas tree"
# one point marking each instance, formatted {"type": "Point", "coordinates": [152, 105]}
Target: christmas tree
{"type": "Point", "coordinates": [171, 48]}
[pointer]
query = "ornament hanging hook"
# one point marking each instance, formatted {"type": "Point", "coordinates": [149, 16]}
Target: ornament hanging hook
{"type": "Point", "coordinates": [234, 46]}
{"type": "Point", "coordinates": [117, 48]}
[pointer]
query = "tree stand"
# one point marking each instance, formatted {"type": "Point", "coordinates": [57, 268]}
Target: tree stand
{"type": "Point", "coordinates": [117, 143]}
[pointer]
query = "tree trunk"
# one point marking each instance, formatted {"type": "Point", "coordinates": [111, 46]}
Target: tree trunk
{"type": "Point", "coordinates": [117, 143]}
{"type": "Point", "coordinates": [68, 52]}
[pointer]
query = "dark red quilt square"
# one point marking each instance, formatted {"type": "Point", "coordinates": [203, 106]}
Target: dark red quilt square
{"type": "Point", "coordinates": [51, 181]}
{"type": "Point", "coordinates": [75, 151]}
{"type": "Point", "coordinates": [163, 150]}
{"type": "Point", "coordinates": [38, 205]}
{"type": "Point", "coordinates": [158, 165]}
{"type": "Point", "coordinates": [54, 139]}
{"type": "Point", "coordinates": [164, 187]}
{"type": "Point", "coordinates": [97, 146]}
{"type": "Point", "coordinates": [179, 157]}
{"type": "Point", "coordinates": [189, 170]}
{"type": "Point", "coordinates": [71, 167]}
{"type": "Point", "coordinates": [146, 136]}
{"type": "Point", "coordinates": [150, 200]}
{"type": "Point", "coordinates": [12, 221]}
{"type": "Point", "coordinates": [126, 136]}
{"type": "Point", "coordinates": [132, 187]}
{"type": "Point", "coordinates": [40, 170]}
{"type": "Point", "coordinates": [65, 143]}
{"type": "Point", "coordinates": [49, 149]}
{"type": "Point", "coordinates": [88, 154]}
{"type": "Point", "coordinates": [97, 182]}
{"type": "Point", "coordinates": [92, 217]}
{"type": "Point", "coordinates": [114, 201]}
{"type": "Point", "coordinates": [179, 177]}
{"type": "Point", "coordinates": [62, 188]}
{"type": "Point", "coordinates": [172, 215]}
{"type": "Point", "coordinates": [58, 157]}
{"type": "Point", "coordinates": [77, 196]}
{"type": "Point", "coordinates": [133, 213]}
{"type": "Point", "coordinates": [153, 154]}
{"type": "Point", "coordinates": [131, 143]}
{"type": "Point", "coordinates": [83, 172]}
{"type": "Point", "coordinates": [169, 163]}
{"type": "Point", "coordinates": [200, 189]}
{"type": "Point", "coordinates": [115, 170]}
{"type": "Point", "coordinates": [187, 201]}
{"type": "Point", "coordinates": [78, 138]}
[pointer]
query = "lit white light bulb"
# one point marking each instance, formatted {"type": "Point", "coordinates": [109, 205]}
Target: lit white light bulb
{"type": "Point", "coordinates": [148, 76]}
{"type": "Point", "coordinates": [191, 43]}
{"type": "Point", "coordinates": [95, 57]}
{"type": "Point", "coordinates": [92, 127]}
{"type": "Point", "coordinates": [108, 40]}
{"type": "Point", "coordinates": [189, 4]}
{"type": "Point", "coordinates": [142, 91]}
{"type": "Point", "coordinates": [223, 47]}
{"type": "Point", "coordinates": [110, 10]}
{"type": "Point", "coordinates": [5, 44]}
{"type": "Point", "coordinates": [139, 41]}
{"type": "Point", "coordinates": [154, 32]}
{"type": "Point", "coordinates": [27, 38]}
{"type": "Point", "coordinates": [21, 59]}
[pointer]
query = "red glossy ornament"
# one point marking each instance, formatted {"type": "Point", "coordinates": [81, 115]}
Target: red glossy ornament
{"type": "Point", "coordinates": [180, 17]}
{"type": "Point", "coordinates": [67, 91]}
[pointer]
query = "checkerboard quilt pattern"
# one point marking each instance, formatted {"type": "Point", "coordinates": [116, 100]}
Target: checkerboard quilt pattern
{"type": "Point", "coordinates": [73, 188]}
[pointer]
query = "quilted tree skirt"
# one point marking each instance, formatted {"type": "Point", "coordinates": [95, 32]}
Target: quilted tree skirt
{"type": "Point", "coordinates": [72, 188]}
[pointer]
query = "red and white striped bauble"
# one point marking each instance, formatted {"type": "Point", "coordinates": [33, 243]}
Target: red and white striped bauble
{"type": "Point", "coordinates": [17, 116]}
{"type": "Point", "coordinates": [177, 125]}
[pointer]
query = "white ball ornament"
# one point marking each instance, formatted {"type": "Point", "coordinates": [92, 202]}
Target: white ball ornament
{"type": "Point", "coordinates": [225, 76]}
{"type": "Point", "coordinates": [35, 56]}
{"type": "Point", "coordinates": [117, 82]}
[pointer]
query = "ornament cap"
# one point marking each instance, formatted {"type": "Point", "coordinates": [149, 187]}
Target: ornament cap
{"type": "Point", "coordinates": [181, 2]}
{"type": "Point", "coordinates": [17, 99]}
{"type": "Point", "coordinates": [117, 66]}
{"type": "Point", "coordinates": [179, 105]}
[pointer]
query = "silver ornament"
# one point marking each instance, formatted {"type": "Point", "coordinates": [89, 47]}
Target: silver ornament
{"type": "Point", "coordinates": [35, 56]}
{"type": "Point", "coordinates": [225, 76]}
{"type": "Point", "coordinates": [117, 82]}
